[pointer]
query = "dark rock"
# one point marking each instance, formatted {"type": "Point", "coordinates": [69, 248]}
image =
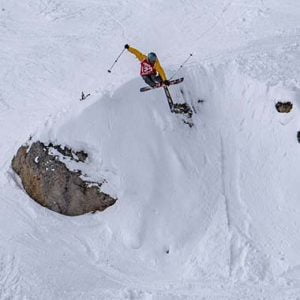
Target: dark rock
{"type": "Point", "coordinates": [65, 151]}
{"type": "Point", "coordinates": [83, 96]}
{"type": "Point", "coordinates": [298, 136]}
{"type": "Point", "coordinates": [284, 107]}
{"type": "Point", "coordinates": [50, 183]}
{"type": "Point", "coordinates": [182, 108]}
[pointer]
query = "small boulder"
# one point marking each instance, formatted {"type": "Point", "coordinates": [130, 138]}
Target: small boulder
{"type": "Point", "coordinates": [284, 107]}
{"type": "Point", "coordinates": [49, 182]}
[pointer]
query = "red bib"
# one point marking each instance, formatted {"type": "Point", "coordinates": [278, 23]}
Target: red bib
{"type": "Point", "coordinates": [147, 68]}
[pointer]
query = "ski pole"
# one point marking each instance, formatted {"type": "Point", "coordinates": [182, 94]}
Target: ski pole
{"type": "Point", "coordinates": [109, 70]}
{"type": "Point", "coordinates": [181, 65]}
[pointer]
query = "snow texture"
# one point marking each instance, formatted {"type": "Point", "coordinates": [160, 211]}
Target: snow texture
{"type": "Point", "coordinates": [208, 212]}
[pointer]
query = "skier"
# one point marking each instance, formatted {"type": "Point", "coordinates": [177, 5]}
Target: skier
{"type": "Point", "coordinates": [151, 70]}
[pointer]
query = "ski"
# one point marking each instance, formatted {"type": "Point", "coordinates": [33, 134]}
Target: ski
{"type": "Point", "coordinates": [149, 88]}
{"type": "Point", "coordinates": [169, 98]}
{"type": "Point", "coordinates": [177, 108]}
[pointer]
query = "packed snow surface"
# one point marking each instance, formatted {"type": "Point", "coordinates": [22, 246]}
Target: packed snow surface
{"type": "Point", "coordinates": [203, 212]}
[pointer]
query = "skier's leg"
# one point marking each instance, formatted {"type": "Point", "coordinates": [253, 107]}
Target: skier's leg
{"type": "Point", "coordinates": [158, 79]}
{"type": "Point", "coordinates": [149, 80]}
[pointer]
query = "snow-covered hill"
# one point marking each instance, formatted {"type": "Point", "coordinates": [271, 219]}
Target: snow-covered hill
{"type": "Point", "coordinates": [208, 212]}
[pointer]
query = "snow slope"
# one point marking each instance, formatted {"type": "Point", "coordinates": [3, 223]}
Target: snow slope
{"type": "Point", "coordinates": [208, 212]}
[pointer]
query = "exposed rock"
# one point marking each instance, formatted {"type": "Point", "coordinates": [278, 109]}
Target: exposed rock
{"type": "Point", "coordinates": [284, 107]}
{"type": "Point", "coordinates": [182, 108]}
{"type": "Point", "coordinates": [77, 156]}
{"type": "Point", "coordinates": [49, 182]}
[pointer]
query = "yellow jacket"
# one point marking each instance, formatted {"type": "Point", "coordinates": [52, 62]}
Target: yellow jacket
{"type": "Point", "coordinates": [157, 66]}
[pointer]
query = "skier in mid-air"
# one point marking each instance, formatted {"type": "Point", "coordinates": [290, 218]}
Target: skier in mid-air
{"type": "Point", "coordinates": [151, 69]}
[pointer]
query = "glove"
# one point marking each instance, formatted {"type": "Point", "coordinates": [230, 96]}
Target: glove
{"type": "Point", "coordinates": [126, 46]}
{"type": "Point", "coordinates": [166, 82]}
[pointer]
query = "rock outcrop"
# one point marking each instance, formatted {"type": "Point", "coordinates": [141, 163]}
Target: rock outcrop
{"type": "Point", "coordinates": [49, 182]}
{"type": "Point", "coordinates": [284, 107]}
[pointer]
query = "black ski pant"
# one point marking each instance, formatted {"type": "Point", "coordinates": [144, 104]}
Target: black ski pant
{"type": "Point", "coordinates": [152, 80]}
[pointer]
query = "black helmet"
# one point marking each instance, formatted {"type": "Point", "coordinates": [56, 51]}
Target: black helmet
{"type": "Point", "coordinates": [152, 58]}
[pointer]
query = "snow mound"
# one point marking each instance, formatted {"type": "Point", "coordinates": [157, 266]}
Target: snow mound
{"type": "Point", "coordinates": [202, 202]}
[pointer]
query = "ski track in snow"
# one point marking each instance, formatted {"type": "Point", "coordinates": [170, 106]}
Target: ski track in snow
{"type": "Point", "coordinates": [9, 277]}
{"type": "Point", "coordinates": [214, 216]}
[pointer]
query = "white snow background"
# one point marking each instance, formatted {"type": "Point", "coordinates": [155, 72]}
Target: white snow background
{"type": "Point", "coordinates": [208, 212]}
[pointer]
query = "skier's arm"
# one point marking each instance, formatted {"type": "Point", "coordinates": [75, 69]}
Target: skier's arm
{"type": "Point", "coordinates": [139, 55]}
{"type": "Point", "coordinates": [160, 71]}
